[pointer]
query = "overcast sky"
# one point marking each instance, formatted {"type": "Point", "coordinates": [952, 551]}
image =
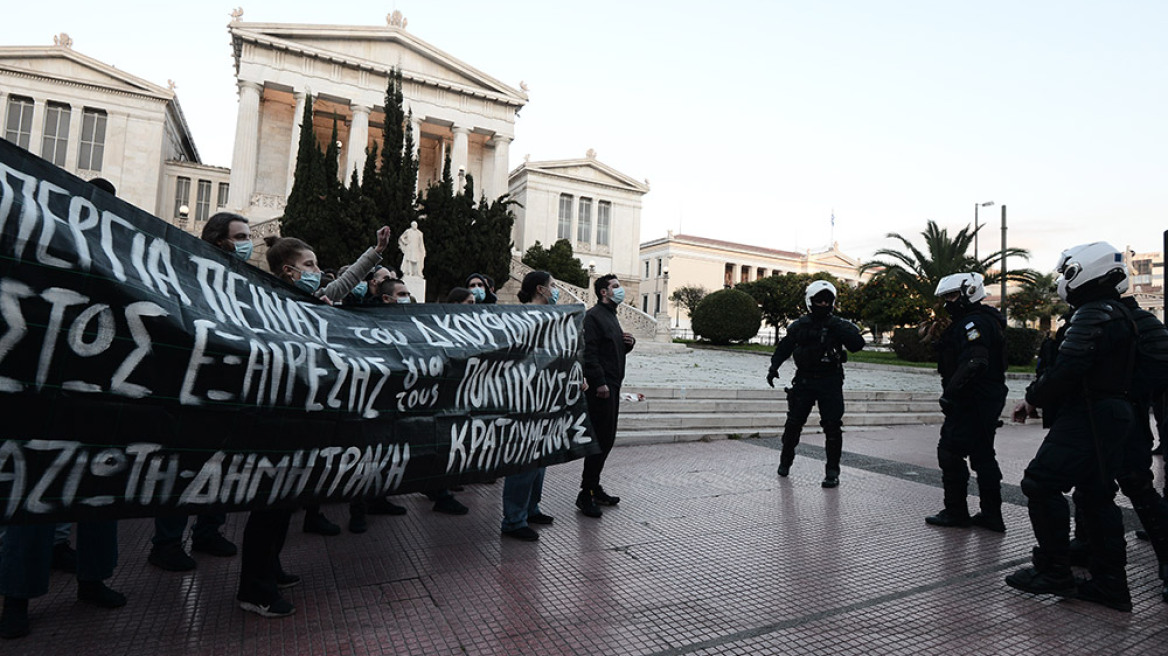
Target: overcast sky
{"type": "Point", "coordinates": [755, 121]}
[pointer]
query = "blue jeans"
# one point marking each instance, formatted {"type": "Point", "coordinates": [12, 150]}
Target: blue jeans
{"type": "Point", "coordinates": [169, 530]}
{"type": "Point", "coordinates": [26, 556]}
{"type": "Point", "coordinates": [521, 496]}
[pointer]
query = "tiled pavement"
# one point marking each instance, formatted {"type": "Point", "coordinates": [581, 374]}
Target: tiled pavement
{"type": "Point", "coordinates": [708, 553]}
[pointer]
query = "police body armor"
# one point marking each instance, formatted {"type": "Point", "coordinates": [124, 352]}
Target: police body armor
{"type": "Point", "coordinates": [818, 351]}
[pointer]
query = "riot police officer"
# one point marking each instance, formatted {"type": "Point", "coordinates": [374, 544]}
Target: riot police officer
{"type": "Point", "coordinates": [972, 364]}
{"type": "Point", "coordinates": [817, 341]}
{"type": "Point", "coordinates": [1091, 380]}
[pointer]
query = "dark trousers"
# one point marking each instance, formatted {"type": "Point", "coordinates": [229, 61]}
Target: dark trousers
{"type": "Point", "coordinates": [604, 414]}
{"type": "Point", "coordinates": [26, 556]}
{"type": "Point", "coordinates": [169, 530]}
{"type": "Point", "coordinates": [968, 432]}
{"type": "Point", "coordinates": [259, 567]}
{"type": "Point", "coordinates": [802, 396]}
{"type": "Point", "coordinates": [1084, 450]}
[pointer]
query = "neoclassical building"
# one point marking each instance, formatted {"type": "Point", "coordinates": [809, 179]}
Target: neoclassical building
{"type": "Point", "coordinates": [457, 109]}
{"type": "Point", "coordinates": [587, 202]}
{"type": "Point", "coordinates": [688, 260]}
{"type": "Point", "coordinates": [96, 120]}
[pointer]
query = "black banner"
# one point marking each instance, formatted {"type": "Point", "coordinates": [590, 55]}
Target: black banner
{"type": "Point", "coordinates": [143, 372]}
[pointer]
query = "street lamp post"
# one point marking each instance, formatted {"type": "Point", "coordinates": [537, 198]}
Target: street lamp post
{"type": "Point", "coordinates": [1003, 261]}
{"type": "Point", "coordinates": [976, 225]}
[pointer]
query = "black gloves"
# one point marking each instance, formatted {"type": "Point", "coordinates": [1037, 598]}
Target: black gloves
{"type": "Point", "coordinates": [771, 376]}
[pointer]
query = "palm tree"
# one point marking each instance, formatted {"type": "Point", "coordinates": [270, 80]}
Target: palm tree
{"type": "Point", "coordinates": [1037, 299]}
{"type": "Point", "coordinates": [942, 255]}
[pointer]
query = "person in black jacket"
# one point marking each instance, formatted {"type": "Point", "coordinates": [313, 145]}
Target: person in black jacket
{"type": "Point", "coordinates": [1091, 381]}
{"type": "Point", "coordinates": [817, 342]}
{"type": "Point", "coordinates": [605, 346]}
{"type": "Point", "coordinates": [972, 364]}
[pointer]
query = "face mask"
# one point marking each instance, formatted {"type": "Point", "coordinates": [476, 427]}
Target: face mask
{"type": "Point", "coordinates": [309, 281]}
{"type": "Point", "coordinates": [618, 295]}
{"type": "Point", "coordinates": [820, 311]}
{"type": "Point", "coordinates": [360, 289]}
{"type": "Point", "coordinates": [555, 297]}
{"type": "Point", "coordinates": [243, 250]}
{"type": "Point", "coordinates": [403, 299]}
{"type": "Point", "coordinates": [479, 294]}
{"type": "Point", "coordinates": [955, 308]}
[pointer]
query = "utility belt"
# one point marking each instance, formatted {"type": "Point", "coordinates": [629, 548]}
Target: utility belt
{"type": "Point", "coordinates": [819, 375]}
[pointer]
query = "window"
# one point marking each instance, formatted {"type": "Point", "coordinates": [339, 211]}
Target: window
{"type": "Point", "coordinates": [657, 303]}
{"type": "Point", "coordinates": [645, 303]}
{"type": "Point", "coordinates": [659, 269]}
{"type": "Point", "coordinates": [18, 128]}
{"type": "Point", "coordinates": [182, 195]}
{"type": "Point", "coordinates": [728, 279]}
{"type": "Point", "coordinates": [92, 151]}
{"type": "Point", "coordinates": [224, 191]}
{"type": "Point", "coordinates": [646, 269]}
{"type": "Point", "coordinates": [56, 136]}
{"type": "Point", "coordinates": [565, 231]}
{"type": "Point", "coordinates": [584, 222]}
{"type": "Point", "coordinates": [760, 273]}
{"type": "Point", "coordinates": [203, 201]}
{"type": "Point", "coordinates": [745, 274]}
{"type": "Point", "coordinates": [603, 219]}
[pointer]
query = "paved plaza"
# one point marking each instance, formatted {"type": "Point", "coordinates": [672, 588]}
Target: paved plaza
{"type": "Point", "coordinates": [709, 552]}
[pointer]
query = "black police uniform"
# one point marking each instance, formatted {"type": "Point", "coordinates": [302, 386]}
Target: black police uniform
{"type": "Point", "coordinates": [972, 364]}
{"type": "Point", "coordinates": [817, 345]}
{"type": "Point", "coordinates": [1084, 450]}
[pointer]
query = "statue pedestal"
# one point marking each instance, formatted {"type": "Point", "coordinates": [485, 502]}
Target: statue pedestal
{"type": "Point", "coordinates": [417, 287]}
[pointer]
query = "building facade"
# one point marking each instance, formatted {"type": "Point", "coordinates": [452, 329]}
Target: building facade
{"type": "Point", "coordinates": [457, 109]}
{"type": "Point", "coordinates": [95, 120]}
{"type": "Point", "coordinates": [587, 202]}
{"type": "Point", "coordinates": [1146, 280]}
{"type": "Point", "coordinates": [687, 260]}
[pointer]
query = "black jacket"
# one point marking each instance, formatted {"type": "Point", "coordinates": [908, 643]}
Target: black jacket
{"type": "Point", "coordinates": [818, 345]}
{"type": "Point", "coordinates": [1096, 357]}
{"type": "Point", "coordinates": [604, 347]}
{"type": "Point", "coordinates": [972, 351]}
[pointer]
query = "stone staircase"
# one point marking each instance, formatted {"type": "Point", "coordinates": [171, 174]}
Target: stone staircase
{"type": "Point", "coordinates": [687, 415]}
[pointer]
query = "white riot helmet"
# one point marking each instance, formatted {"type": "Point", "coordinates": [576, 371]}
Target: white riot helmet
{"type": "Point", "coordinates": [1090, 271]}
{"type": "Point", "coordinates": [816, 288]}
{"type": "Point", "coordinates": [971, 286]}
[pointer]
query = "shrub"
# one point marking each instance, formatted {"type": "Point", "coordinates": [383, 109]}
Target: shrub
{"type": "Point", "coordinates": [1022, 345]}
{"type": "Point", "coordinates": [727, 316]}
{"type": "Point", "coordinates": [907, 344]}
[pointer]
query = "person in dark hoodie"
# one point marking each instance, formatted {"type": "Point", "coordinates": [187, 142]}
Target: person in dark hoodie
{"type": "Point", "coordinates": [482, 288]}
{"type": "Point", "coordinates": [972, 364]}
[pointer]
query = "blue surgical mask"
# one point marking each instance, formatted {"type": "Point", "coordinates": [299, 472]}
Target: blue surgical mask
{"type": "Point", "coordinates": [618, 295]}
{"type": "Point", "coordinates": [243, 250]}
{"type": "Point", "coordinates": [555, 297]}
{"type": "Point", "coordinates": [309, 281]}
{"type": "Point", "coordinates": [479, 294]}
{"type": "Point", "coordinates": [360, 289]}
{"type": "Point", "coordinates": [403, 299]}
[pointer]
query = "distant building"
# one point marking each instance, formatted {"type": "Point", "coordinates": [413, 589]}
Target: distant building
{"type": "Point", "coordinates": [95, 120]}
{"type": "Point", "coordinates": [1146, 280]}
{"type": "Point", "coordinates": [587, 202]}
{"type": "Point", "coordinates": [687, 260]}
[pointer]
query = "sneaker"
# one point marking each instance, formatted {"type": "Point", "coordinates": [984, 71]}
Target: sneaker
{"type": "Point", "coordinates": [1113, 594]}
{"type": "Point", "coordinates": [522, 533]}
{"type": "Point", "coordinates": [64, 558]}
{"type": "Point", "coordinates": [385, 507]}
{"type": "Point", "coordinates": [316, 522]}
{"type": "Point", "coordinates": [284, 580]}
{"type": "Point", "coordinates": [949, 519]}
{"type": "Point", "coordinates": [450, 506]}
{"type": "Point", "coordinates": [99, 594]}
{"type": "Point", "coordinates": [587, 504]}
{"type": "Point", "coordinates": [831, 480]}
{"type": "Point", "coordinates": [784, 470]}
{"type": "Point", "coordinates": [1029, 579]}
{"type": "Point", "coordinates": [603, 498]}
{"type": "Point", "coordinates": [278, 608]}
{"type": "Point", "coordinates": [540, 518]}
{"type": "Point", "coordinates": [14, 619]}
{"type": "Point", "coordinates": [171, 558]}
{"type": "Point", "coordinates": [989, 522]}
{"type": "Point", "coordinates": [216, 545]}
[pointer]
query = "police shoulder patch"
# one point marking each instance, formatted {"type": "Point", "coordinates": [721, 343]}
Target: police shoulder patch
{"type": "Point", "coordinates": [971, 332]}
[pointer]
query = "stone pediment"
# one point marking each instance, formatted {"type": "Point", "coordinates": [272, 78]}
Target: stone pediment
{"type": "Point", "coordinates": [65, 65]}
{"type": "Point", "coordinates": [377, 49]}
{"type": "Point", "coordinates": [585, 170]}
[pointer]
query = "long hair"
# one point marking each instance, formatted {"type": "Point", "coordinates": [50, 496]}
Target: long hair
{"type": "Point", "coordinates": [530, 282]}
{"type": "Point", "coordinates": [217, 227]}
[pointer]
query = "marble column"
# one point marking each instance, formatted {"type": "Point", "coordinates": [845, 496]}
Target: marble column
{"type": "Point", "coordinates": [247, 130]}
{"type": "Point", "coordinates": [460, 156]}
{"type": "Point", "coordinates": [37, 133]}
{"type": "Point", "coordinates": [294, 149]}
{"type": "Point", "coordinates": [73, 147]}
{"type": "Point", "coordinates": [501, 164]}
{"type": "Point", "coordinates": [358, 140]}
{"type": "Point", "coordinates": [416, 131]}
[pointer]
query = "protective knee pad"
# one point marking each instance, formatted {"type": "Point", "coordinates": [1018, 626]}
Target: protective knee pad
{"type": "Point", "coordinates": [1136, 484]}
{"type": "Point", "coordinates": [1035, 490]}
{"type": "Point", "coordinates": [832, 430]}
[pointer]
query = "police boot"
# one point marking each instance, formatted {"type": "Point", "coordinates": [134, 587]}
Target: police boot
{"type": "Point", "coordinates": [1164, 581]}
{"type": "Point", "coordinates": [1080, 552]}
{"type": "Point", "coordinates": [990, 517]}
{"type": "Point", "coordinates": [1106, 590]}
{"type": "Point", "coordinates": [1049, 575]}
{"type": "Point", "coordinates": [833, 438]}
{"type": "Point", "coordinates": [948, 518]}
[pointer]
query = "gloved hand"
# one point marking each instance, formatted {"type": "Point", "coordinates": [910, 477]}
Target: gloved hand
{"type": "Point", "coordinates": [771, 376]}
{"type": "Point", "coordinates": [946, 404]}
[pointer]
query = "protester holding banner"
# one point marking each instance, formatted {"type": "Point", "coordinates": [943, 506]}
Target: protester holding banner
{"type": "Point", "coordinates": [294, 261]}
{"type": "Point", "coordinates": [522, 492]}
